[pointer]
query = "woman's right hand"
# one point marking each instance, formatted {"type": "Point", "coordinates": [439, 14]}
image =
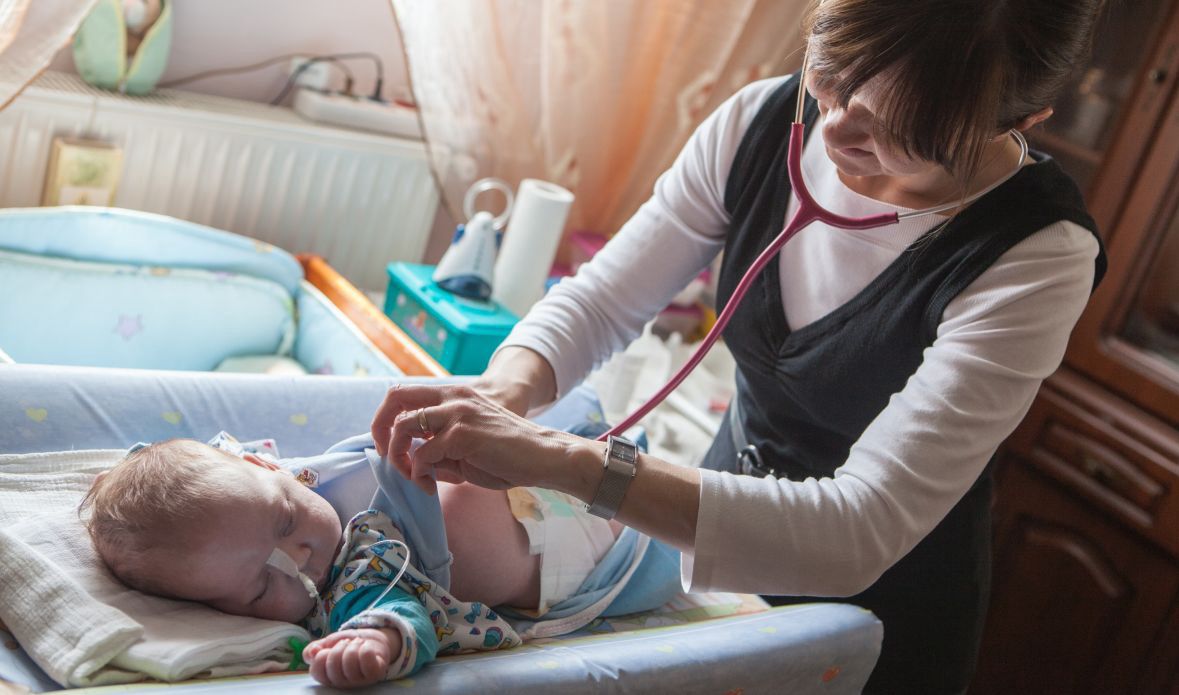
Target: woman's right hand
{"type": "Point", "coordinates": [470, 438]}
{"type": "Point", "coordinates": [518, 379]}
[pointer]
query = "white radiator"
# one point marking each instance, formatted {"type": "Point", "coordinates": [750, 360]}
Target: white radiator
{"type": "Point", "coordinates": [359, 200]}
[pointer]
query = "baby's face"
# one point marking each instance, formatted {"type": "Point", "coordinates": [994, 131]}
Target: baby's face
{"type": "Point", "coordinates": [223, 560]}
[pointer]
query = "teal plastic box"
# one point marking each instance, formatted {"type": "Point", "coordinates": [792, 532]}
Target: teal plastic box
{"type": "Point", "coordinates": [460, 333]}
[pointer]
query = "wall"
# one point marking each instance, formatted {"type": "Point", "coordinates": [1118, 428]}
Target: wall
{"type": "Point", "coordinates": [210, 34]}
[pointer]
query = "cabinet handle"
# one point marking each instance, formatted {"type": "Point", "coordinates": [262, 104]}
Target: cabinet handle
{"type": "Point", "coordinates": [1101, 471]}
{"type": "Point", "coordinates": [1088, 462]}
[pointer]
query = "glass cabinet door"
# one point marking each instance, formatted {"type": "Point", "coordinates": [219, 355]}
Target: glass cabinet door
{"type": "Point", "coordinates": [1152, 318]}
{"type": "Point", "coordinates": [1128, 337]}
{"type": "Point", "coordinates": [1086, 115]}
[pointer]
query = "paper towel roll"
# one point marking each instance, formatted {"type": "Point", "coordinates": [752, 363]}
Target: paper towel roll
{"type": "Point", "coordinates": [530, 244]}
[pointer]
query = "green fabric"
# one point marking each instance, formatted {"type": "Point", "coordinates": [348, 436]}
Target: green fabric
{"type": "Point", "coordinates": [152, 57]}
{"type": "Point", "coordinates": [396, 601]}
{"type": "Point", "coordinates": [297, 646]}
{"type": "Point", "coordinates": [100, 46]}
{"type": "Point", "coordinates": [100, 49]}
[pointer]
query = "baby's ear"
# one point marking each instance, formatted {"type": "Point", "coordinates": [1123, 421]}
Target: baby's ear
{"type": "Point", "coordinates": [260, 462]}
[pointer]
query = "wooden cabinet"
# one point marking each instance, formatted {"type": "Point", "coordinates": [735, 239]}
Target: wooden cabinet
{"type": "Point", "coordinates": [1086, 582]}
{"type": "Point", "coordinates": [1085, 593]}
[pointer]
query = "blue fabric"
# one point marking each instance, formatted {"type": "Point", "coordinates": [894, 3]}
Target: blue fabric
{"type": "Point", "coordinates": [343, 478]}
{"type": "Point", "coordinates": [349, 472]}
{"type": "Point", "coordinates": [418, 515]}
{"type": "Point", "coordinates": [132, 289]}
{"type": "Point", "coordinates": [49, 408]}
{"type": "Point", "coordinates": [113, 235]}
{"type": "Point", "coordinates": [327, 342]}
{"type": "Point", "coordinates": [109, 315]}
{"type": "Point", "coordinates": [654, 583]}
{"type": "Point", "coordinates": [396, 601]}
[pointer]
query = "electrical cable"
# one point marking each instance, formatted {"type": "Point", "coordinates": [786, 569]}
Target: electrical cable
{"type": "Point", "coordinates": [380, 67]}
{"type": "Point", "coordinates": [339, 65]}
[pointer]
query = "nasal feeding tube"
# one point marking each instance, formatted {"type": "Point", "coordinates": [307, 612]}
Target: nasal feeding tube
{"type": "Point", "coordinates": [284, 563]}
{"type": "Point", "coordinates": [808, 211]}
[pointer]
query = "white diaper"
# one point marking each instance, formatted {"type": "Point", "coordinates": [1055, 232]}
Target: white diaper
{"type": "Point", "coordinates": [569, 540]}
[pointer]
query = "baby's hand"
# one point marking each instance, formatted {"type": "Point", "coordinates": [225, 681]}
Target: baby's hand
{"type": "Point", "coordinates": [352, 658]}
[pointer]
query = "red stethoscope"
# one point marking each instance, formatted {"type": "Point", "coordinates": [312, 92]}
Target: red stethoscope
{"type": "Point", "coordinates": [808, 211]}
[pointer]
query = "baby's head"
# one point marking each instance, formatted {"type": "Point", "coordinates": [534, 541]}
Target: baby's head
{"type": "Point", "coordinates": [184, 520]}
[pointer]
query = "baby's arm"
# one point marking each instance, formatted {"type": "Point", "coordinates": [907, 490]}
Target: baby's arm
{"type": "Point", "coordinates": [396, 633]}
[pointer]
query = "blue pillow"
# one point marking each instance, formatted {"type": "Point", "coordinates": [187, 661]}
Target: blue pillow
{"type": "Point", "coordinates": [59, 311]}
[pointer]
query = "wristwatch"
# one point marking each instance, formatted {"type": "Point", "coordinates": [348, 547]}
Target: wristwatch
{"type": "Point", "coordinates": [617, 471]}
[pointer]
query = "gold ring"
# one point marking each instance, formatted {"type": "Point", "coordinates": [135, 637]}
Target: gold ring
{"type": "Point", "coordinates": [422, 424]}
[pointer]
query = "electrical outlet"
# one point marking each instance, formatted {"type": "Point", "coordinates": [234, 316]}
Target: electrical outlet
{"type": "Point", "coordinates": [317, 75]}
{"type": "Point", "coordinates": [358, 112]}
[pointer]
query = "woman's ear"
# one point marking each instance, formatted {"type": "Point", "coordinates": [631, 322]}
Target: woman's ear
{"type": "Point", "coordinates": [260, 462]}
{"type": "Point", "coordinates": [1023, 124]}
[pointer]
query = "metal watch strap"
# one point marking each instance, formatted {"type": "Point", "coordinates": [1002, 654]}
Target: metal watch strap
{"type": "Point", "coordinates": [618, 470]}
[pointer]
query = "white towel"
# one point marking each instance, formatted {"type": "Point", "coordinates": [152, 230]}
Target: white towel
{"type": "Point", "coordinates": [81, 625]}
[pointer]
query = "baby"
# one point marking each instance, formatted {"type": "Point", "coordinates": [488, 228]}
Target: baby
{"type": "Point", "coordinates": [185, 520]}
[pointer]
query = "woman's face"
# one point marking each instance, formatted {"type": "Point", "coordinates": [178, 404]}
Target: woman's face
{"type": "Point", "coordinates": [853, 142]}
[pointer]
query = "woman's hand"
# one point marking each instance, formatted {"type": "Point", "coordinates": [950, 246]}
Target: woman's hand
{"type": "Point", "coordinates": [469, 437]}
{"type": "Point", "coordinates": [352, 658]}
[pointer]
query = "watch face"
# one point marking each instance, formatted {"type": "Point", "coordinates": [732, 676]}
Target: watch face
{"type": "Point", "coordinates": [622, 449]}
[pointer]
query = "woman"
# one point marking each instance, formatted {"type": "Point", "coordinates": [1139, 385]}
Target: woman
{"type": "Point", "coordinates": [878, 370]}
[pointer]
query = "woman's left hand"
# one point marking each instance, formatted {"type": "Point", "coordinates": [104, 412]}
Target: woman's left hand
{"type": "Point", "coordinates": [468, 437]}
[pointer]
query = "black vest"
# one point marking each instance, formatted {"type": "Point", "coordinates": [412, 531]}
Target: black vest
{"type": "Point", "coordinates": [807, 395]}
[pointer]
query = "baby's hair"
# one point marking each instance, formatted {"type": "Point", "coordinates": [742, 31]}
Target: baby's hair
{"type": "Point", "coordinates": [134, 509]}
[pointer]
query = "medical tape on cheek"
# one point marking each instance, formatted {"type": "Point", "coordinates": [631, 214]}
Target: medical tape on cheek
{"type": "Point", "coordinates": [284, 563]}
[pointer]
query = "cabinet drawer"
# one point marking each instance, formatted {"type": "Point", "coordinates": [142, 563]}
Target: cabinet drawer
{"type": "Point", "coordinates": [1119, 458]}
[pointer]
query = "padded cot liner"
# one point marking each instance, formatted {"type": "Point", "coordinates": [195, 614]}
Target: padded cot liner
{"type": "Point", "coordinates": [120, 288]}
{"type": "Point", "coordinates": [688, 646]}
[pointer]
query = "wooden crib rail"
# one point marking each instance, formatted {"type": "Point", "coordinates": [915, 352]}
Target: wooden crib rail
{"type": "Point", "coordinates": [389, 339]}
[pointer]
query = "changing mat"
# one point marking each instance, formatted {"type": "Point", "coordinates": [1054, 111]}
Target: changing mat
{"type": "Point", "coordinates": [86, 628]}
{"type": "Point", "coordinates": [689, 646]}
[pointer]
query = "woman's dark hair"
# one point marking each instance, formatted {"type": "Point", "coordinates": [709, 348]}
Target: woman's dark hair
{"type": "Point", "coordinates": [958, 71]}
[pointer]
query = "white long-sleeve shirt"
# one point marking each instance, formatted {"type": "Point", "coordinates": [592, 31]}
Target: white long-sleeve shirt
{"type": "Point", "coordinates": [998, 339]}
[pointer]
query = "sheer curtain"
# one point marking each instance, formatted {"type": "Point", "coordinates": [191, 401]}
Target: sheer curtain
{"type": "Point", "coordinates": [31, 32]}
{"type": "Point", "coordinates": [595, 95]}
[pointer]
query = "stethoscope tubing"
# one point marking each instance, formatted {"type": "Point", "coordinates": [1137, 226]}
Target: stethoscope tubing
{"type": "Point", "coordinates": [809, 210]}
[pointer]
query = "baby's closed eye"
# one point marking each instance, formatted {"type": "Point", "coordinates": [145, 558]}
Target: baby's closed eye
{"type": "Point", "coordinates": [289, 525]}
{"type": "Point", "coordinates": [265, 588]}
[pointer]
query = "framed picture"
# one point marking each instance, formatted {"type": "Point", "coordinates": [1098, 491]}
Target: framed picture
{"type": "Point", "coordinates": [82, 172]}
